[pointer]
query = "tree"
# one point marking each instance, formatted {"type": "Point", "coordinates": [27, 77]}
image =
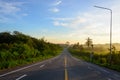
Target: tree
{"type": "Point", "coordinates": [6, 37]}
{"type": "Point", "coordinates": [89, 42]}
{"type": "Point", "coordinates": [67, 43]}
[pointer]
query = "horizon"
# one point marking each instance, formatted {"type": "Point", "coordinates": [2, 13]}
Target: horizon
{"type": "Point", "coordinates": [60, 21]}
{"type": "Point", "coordinates": [63, 42]}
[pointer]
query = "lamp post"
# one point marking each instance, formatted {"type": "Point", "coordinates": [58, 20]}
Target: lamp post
{"type": "Point", "coordinates": [110, 30]}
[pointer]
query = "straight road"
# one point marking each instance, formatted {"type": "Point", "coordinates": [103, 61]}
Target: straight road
{"type": "Point", "coordinates": [62, 67]}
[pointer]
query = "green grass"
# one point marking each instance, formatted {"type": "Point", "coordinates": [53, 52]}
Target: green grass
{"type": "Point", "coordinates": [15, 63]}
{"type": "Point", "coordinates": [99, 59]}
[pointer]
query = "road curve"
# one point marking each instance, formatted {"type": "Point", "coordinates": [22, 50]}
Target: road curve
{"type": "Point", "coordinates": [62, 67]}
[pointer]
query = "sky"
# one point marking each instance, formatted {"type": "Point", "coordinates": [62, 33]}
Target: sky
{"type": "Point", "coordinates": [59, 21]}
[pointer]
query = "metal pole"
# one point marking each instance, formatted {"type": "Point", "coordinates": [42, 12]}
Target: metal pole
{"type": "Point", "coordinates": [110, 31]}
{"type": "Point", "coordinates": [111, 38]}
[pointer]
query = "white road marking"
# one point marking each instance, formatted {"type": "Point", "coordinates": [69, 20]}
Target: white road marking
{"type": "Point", "coordinates": [98, 67]}
{"type": "Point", "coordinates": [101, 69]}
{"type": "Point", "coordinates": [19, 69]}
{"type": "Point", "coordinates": [105, 71]}
{"type": "Point", "coordinates": [42, 65]}
{"type": "Point", "coordinates": [21, 77]}
{"type": "Point", "coordinates": [23, 68]}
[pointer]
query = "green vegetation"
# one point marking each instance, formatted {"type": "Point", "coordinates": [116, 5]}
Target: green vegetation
{"type": "Point", "coordinates": [18, 49]}
{"type": "Point", "coordinates": [98, 54]}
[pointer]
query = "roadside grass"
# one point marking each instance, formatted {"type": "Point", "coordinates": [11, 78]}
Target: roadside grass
{"type": "Point", "coordinates": [22, 62]}
{"type": "Point", "coordinates": [18, 49]}
{"type": "Point", "coordinates": [99, 59]}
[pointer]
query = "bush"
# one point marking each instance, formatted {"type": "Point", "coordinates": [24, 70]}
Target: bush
{"type": "Point", "coordinates": [17, 49]}
{"type": "Point", "coordinates": [100, 59]}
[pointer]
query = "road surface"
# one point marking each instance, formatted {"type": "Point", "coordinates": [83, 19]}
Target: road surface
{"type": "Point", "coordinates": [62, 67]}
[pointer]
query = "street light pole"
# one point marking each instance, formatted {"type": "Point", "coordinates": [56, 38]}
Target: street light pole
{"type": "Point", "coordinates": [110, 30]}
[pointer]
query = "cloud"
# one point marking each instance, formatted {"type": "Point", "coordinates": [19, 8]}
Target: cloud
{"type": "Point", "coordinates": [57, 3]}
{"type": "Point", "coordinates": [54, 7]}
{"type": "Point", "coordinates": [69, 22]}
{"type": "Point", "coordinates": [94, 23]}
{"type": "Point", "coordinates": [9, 10]}
{"type": "Point", "coordinates": [62, 19]}
{"type": "Point", "coordinates": [55, 10]}
{"type": "Point", "coordinates": [4, 19]}
{"type": "Point", "coordinates": [86, 25]}
{"type": "Point", "coordinates": [57, 23]}
{"type": "Point", "coordinates": [24, 14]}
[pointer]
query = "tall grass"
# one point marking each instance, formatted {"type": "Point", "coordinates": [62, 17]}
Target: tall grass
{"type": "Point", "coordinates": [100, 57]}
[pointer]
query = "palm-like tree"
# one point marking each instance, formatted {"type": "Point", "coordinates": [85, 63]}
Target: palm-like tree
{"type": "Point", "coordinates": [89, 42]}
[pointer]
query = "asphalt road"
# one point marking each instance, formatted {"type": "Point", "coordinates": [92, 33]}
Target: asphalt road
{"type": "Point", "coordinates": [62, 67]}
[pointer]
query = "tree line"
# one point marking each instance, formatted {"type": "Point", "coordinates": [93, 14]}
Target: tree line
{"type": "Point", "coordinates": [17, 48]}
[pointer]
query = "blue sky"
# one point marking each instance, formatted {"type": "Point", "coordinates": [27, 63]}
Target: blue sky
{"type": "Point", "coordinates": [61, 20]}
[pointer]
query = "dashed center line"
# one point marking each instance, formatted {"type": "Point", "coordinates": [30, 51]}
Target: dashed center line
{"type": "Point", "coordinates": [42, 65]}
{"type": "Point", "coordinates": [21, 77]}
{"type": "Point", "coordinates": [65, 64]}
{"type": "Point", "coordinates": [66, 74]}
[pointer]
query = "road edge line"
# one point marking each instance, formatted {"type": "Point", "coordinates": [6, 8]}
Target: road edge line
{"type": "Point", "coordinates": [21, 77]}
